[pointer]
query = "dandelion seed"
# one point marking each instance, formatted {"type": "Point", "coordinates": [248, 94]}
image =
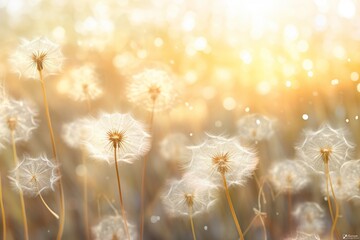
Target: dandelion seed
{"type": "Point", "coordinates": [289, 176]}
{"type": "Point", "coordinates": [34, 175]}
{"type": "Point", "coordinates": [117, 130]}
{"type": "Point", "coordinates": [325, 146]}
{"type": "Point", "coordinates": [154, 89]}
{"type": "Point", "coordinates": [82, 84]}
{"type": "Point", "coordinates": [112, 228]}
{"type": "Point", "coordinates": [37, 55]}
{"type": "Point", "coordinates": [17, 118]}
{"type": "Point", "coordinates": [310, 217]}
{"type": "Point", "coordinates": [255, 127]}
{"type": "Point", "coordinates": [218, 155]}
{"type": "Point", "coordinates": [75, 133]}
{"type": "Point", "coordinates": [174, 148]}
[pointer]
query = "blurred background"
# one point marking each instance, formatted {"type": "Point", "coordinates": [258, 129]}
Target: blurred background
{"type": "Point", "coordinates": [295, 62]}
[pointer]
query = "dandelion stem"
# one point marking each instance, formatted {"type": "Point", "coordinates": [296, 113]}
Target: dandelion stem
{"type": "Point", "coordinates": [22, 202]}
{"type": "Point", "coordinates": [3, 218]}
{"type": "Point", "coordinates": [120, 195]}
{"type": "Point", "coordinates": [142, 210]}
{"type": "Point", "coordinates": [258, 185]}
{"type": "Point", "coordinates": [85, 197]}
{"type": "Point", "coordinates": [61, 189]}
{"type": "Point", "coordinates": [232, 208]}
{"type": "Point", "coordinates": [192, 223]}
{"type": "Point", "coordinates": [47, 206]}
{"type": "Point", "coordinates": [333, 227]}
{"type": "Point", "coordinates": [327, 192]}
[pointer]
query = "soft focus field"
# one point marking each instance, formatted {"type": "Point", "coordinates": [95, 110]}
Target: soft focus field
{"type": "Point", "coordinates": [297, 63]}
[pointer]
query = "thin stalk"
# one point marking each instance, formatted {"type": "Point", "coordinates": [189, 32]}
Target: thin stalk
{"type": "Point", "coordinates": [52, 138]}
{"type": "Point", "coordinates": [120, 195]}
{"type": "Point", "coordinates": [2, 211]}
{"type": "Point", "coordinates": [250, 224]}
{"type": "Point", "coordinates": [258, 185]}
{"type": "Point", "coordinates": [333, 227]}
{"type": "Point", "coordinates": [22, 202]}
{"type": "Point", "coordinates": [232, 208]}
{"type": "Point", "coordinates": [47, 206]}
{"type": "Point", "coordinates": [264, 228]}
{"type": "Point", "coordinates": [261, 190]}
{"type": "Point", "coordinates": [327, 192]}
{"type": "Point", "coordinates": [192, 223]}
{"type": "Point", "coordinates": [85, 197]}
{"type": "Point", "coordinates": [142, 210]}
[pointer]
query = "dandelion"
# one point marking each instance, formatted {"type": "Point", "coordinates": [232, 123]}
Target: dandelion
{"type": "Point", "coordinates": [189, 196]}
{"type": "Point", "coordinates": [120, 138]}
{"type": "Point", "coordinates": [289, 176]}
{"type": "Point", "coordinates": [326, 150]}
{"type": "Point", "coordinates": [350, 174]}
{"type": "Point", "coordinates": [225, 162]}
{"type": "Point", "coordinates": [33, 176]}
{"type": "Point", "coordinates": [112, 228]}
{"type": "Point", "coordinates": [82, 84]}
{"type": "Point", "coordinates": [38, 58]}
{"type": "Point", "coordinates": [18, 119]}
{"type": "Point", "coordinates": [174, 148]}
{"type": "Point", "coordinates": [310, 217]}
{"type": "Point", "coordinates": [154, 89]}
{"type": "Point", "coordinates": [38, 55]}
{"type": "Point", "coordinates": [255, 127]}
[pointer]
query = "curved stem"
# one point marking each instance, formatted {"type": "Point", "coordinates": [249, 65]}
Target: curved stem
{"type": "Point", "coordinates": [22, 202]}
{"type": "Point", "coordinates": [47, 206]}
{"type": "Point", "coordinates": [333, 227]}
{"type": "Point", "coordinates": [232, 208]}
{"type": "Point", "coordinates": [192, 223]}
{"type": "Point", "coordinates": [142, 208]}
{"type": "Point", "coordinates": [120, 195]}
{"type": "Point", "coordinates": [52, 138]}
{"type": "Point", "coordinates": [250, 224]}
{"type": "Point", "coordinates": [327, 191]}
{"type": "Point", "coordinates": [258, 185]}
{"type": "Point", "coordinates": [3, 218]}
{"type": "Point", "coordinates": [85, 197]}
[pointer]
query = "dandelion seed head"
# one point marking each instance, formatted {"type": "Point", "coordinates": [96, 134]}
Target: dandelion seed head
{"type": "Point", "coordinates": [304, 236]}
{"type": "Point", "coordinates": [289, 175]}
{"type": "Point", "coordinates": [112, 227]}
{"type": "Point", "coordinates": [218, 155]}
{"type": "Point", "coordinates": [153, 89]}
{"type": "Point", "coordinates": [75, 132]}
{"type": "Point", "coordinates": [190, 192]}
{"type": "Point", "coordinates": [310, 217]}
{"type": "Point", "coordinates": [19, 117]}
{"type": "Point", "coordinates": [122, 131]}
{"type": "Point", "coordinates": [326, 145]}
{"type": "Point", "coordinates": [174, 148]}
{"type": "Point", "coordinates": [255, 127]}
{"type": "Point", "coordinates": [37, 55]}
{"type": "Point", "coordinates": [34, 175]}
{"type": "Point", "coordinates": [338, 186]}
{"type": "Point", "coordinates": [82, 84]}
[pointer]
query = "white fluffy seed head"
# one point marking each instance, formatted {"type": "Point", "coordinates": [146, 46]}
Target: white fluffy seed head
{"type": "Point", "coordinates": [191, 193]}
{"type": "Point", "coordinates": [325, 145]}
{"type": "Point", "coordinates": [129, 136]}
{"type": "Point", "coordinates": [76, 132]}
{"type": "Point", "coordinates": [154, 89]}
{"type": "Point", "coordinates": [255, 127]}
{"type": "Point", "coordinates": [37, 54]}
{"type": "Point", "coordinates": [350, 174]}
{"type": "Point", "coordinates": [218, 155]}
{"type": "Point", "coordinates": [111, 228]}
{"type": "Point", "coordinates": [34, 175]}
{"type": "Point", "coordinates": [289, 176]}
{"type": "Point", "coordinates": [310, 217]}
{"type": "Point", "coordinates": [338, 185]}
